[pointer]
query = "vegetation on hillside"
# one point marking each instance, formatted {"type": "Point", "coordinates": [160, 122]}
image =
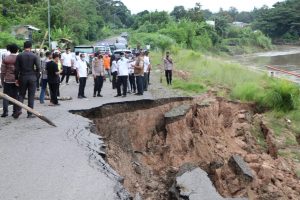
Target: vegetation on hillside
{"type": "Point", "coordinates": [78, 20]}
{"type": "Point", "coordinates": [89, 20]}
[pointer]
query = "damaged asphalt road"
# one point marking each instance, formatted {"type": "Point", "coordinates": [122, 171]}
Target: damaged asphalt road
{"type": "Point", "coordinates": [38, 161]}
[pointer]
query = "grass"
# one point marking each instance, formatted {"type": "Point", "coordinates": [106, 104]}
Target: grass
{"type": "Point", "coordinates": [188, 86]}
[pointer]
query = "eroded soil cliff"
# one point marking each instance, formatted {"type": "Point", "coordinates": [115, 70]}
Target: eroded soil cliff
{"type": "Point", "coordinates": [148, 141]}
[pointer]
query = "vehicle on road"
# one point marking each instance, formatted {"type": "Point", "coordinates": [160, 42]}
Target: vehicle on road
{"type": "Point", "coordinates": [117, 53]}
{"type": "Point", "coordinates": [120, 46]}
{"type": "Point", "coordinates": [112, 48]}
{"type": "Point", "coordinates": [89, 53]}
{"type": "Point", "coordinates": [102, 49]}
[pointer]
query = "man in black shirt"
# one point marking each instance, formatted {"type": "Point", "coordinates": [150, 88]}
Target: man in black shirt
{"type": "Point", "coordinates": [26, 72]}
{"type": "Point", "coordinates": [53, 78]}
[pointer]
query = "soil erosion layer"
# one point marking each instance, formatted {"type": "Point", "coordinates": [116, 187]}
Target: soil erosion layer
{"type": "Point", "coordinates": [148, 142]}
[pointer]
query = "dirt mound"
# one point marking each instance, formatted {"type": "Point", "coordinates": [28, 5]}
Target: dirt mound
{"type": "Point", "coordinates": [148, 141]}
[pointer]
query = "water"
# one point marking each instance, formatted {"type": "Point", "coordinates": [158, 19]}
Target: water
{"type": "Point", "coordinates": [285, 58]}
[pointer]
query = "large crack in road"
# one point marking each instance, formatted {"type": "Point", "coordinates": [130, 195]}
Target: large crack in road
{"type": "Point", "coordinates": [150, 143]}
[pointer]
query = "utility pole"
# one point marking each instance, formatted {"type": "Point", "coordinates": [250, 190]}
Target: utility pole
{"type": "Point", "coordinates": [49, 23]}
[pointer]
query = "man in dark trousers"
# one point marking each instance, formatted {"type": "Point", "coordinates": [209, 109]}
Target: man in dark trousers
{"type": "Point", "coordinates": [53, 78]}
{"type": "Point", "coordinates": [168, 63]}
{"type": "Point", "coordinates": [26, 72]}
{"type": "Point", "coordinates": [123, 71]}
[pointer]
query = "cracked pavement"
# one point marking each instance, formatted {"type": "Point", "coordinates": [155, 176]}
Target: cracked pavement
{"type": "Point", "coordinates": [38, 161]}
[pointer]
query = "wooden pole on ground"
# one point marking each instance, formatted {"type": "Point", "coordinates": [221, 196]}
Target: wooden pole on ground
{"type": "Point", "coordinates": [18, 103]}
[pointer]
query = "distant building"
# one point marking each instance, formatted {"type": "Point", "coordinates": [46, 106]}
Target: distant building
{"type": "Point", "coordinates": [240, 24]}
{"type": "Point", "coordinates": [24, 32]}
{"type": "Point", "coordinates": [211, 23]}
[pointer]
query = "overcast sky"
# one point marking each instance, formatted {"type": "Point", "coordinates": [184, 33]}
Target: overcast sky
{"type": "Point", "coordinates": [214, 5]}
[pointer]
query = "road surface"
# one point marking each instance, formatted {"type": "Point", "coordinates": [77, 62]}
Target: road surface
{"type": "Point", "coordinates": [40, 162]}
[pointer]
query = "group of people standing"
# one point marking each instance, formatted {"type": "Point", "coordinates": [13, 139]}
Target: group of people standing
{"type": "Point", "coordinates": [21, 73]}
{"type": "Point", "coordinates": [131, 72]}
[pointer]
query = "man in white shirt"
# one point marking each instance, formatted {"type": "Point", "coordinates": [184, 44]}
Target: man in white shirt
{"type": "Point", "coordinates": [75, 59]}
{"type": "Point", "coordinates": [82, 69]}
{"type": "Point", "coordinates": [146, 70]}
{"type": "Point", "coordinates": [123, 71]}
{"type": "Point", "coordinates": [114, 71]}
{"type": "Point", "coordinates": [67, 63]}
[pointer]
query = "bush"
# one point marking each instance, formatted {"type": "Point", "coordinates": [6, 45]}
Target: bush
{"type": "Point", "coordinates": [202, 42]}
{"type": "Point", "coordinates": [7, 38]}
{"type": "Point", "coordinates": [155, 40]}
{"type": "Point", "coordinates": [248, 91]}
{"type": "Point", "coordinates": [282, 95]}
{"type": "Point", "coordinates": [148, 28]}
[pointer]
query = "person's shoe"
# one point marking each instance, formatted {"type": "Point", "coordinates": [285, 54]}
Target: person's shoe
{"type": "Point", "coordinates": [17, 114]}
{"type": "Point", "coordinates": [80, 97]}
{"type": "Point", "coordinates": [31, 116]}
{"type": "Point", "coordinates": [58, 104]}
{"type": "Point", "coordinates": [99, 95]}
{"type": "Point", "coordinates": [84, 97]}
{"type": "Point", "coordinates": [4, 115]}
{"type": "Point", "coordinates": [51, 104]}
{"type": "Point", "coordinates": [94, 95]}
{"type": "Point", "coordinates": [118, 95]}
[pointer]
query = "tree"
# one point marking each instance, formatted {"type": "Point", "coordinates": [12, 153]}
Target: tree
{"type": "Point", "coordinates": [233, 12]}
{"type": "Point", "coordinates": [280, 20]}
{"type": "Point", "coordinates": [195, 14]}
{"type": "Point", "coordinates": [221, 26]}
{"type": "Point", "coordinates": [245, 17]}
{"type": "Point", "coordinates": [178, 13]}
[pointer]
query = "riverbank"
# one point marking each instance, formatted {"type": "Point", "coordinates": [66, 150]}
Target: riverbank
{"type": "Point", "coordinates": [197, 73]}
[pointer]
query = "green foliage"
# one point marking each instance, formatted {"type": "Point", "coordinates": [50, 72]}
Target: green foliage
{"type": "Point", "coordinates": [248, 91]}
{"type": "Point", "coordinates": [7, 38]}
{"type": "Point", "coordinates": [60, 33]}
{"type": "Point", "coordinates": [282, 95]}
{"type": "Point", "coordinates": [246, 37]}
{"type": "Point", "coordinates": [77, 20]}
{"type": "Point", "coordinates": [155, 40]}
{"type": "Point", "coordinates": [148, 28]}
{"type": "Point", "coordinates": [281, 19]}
